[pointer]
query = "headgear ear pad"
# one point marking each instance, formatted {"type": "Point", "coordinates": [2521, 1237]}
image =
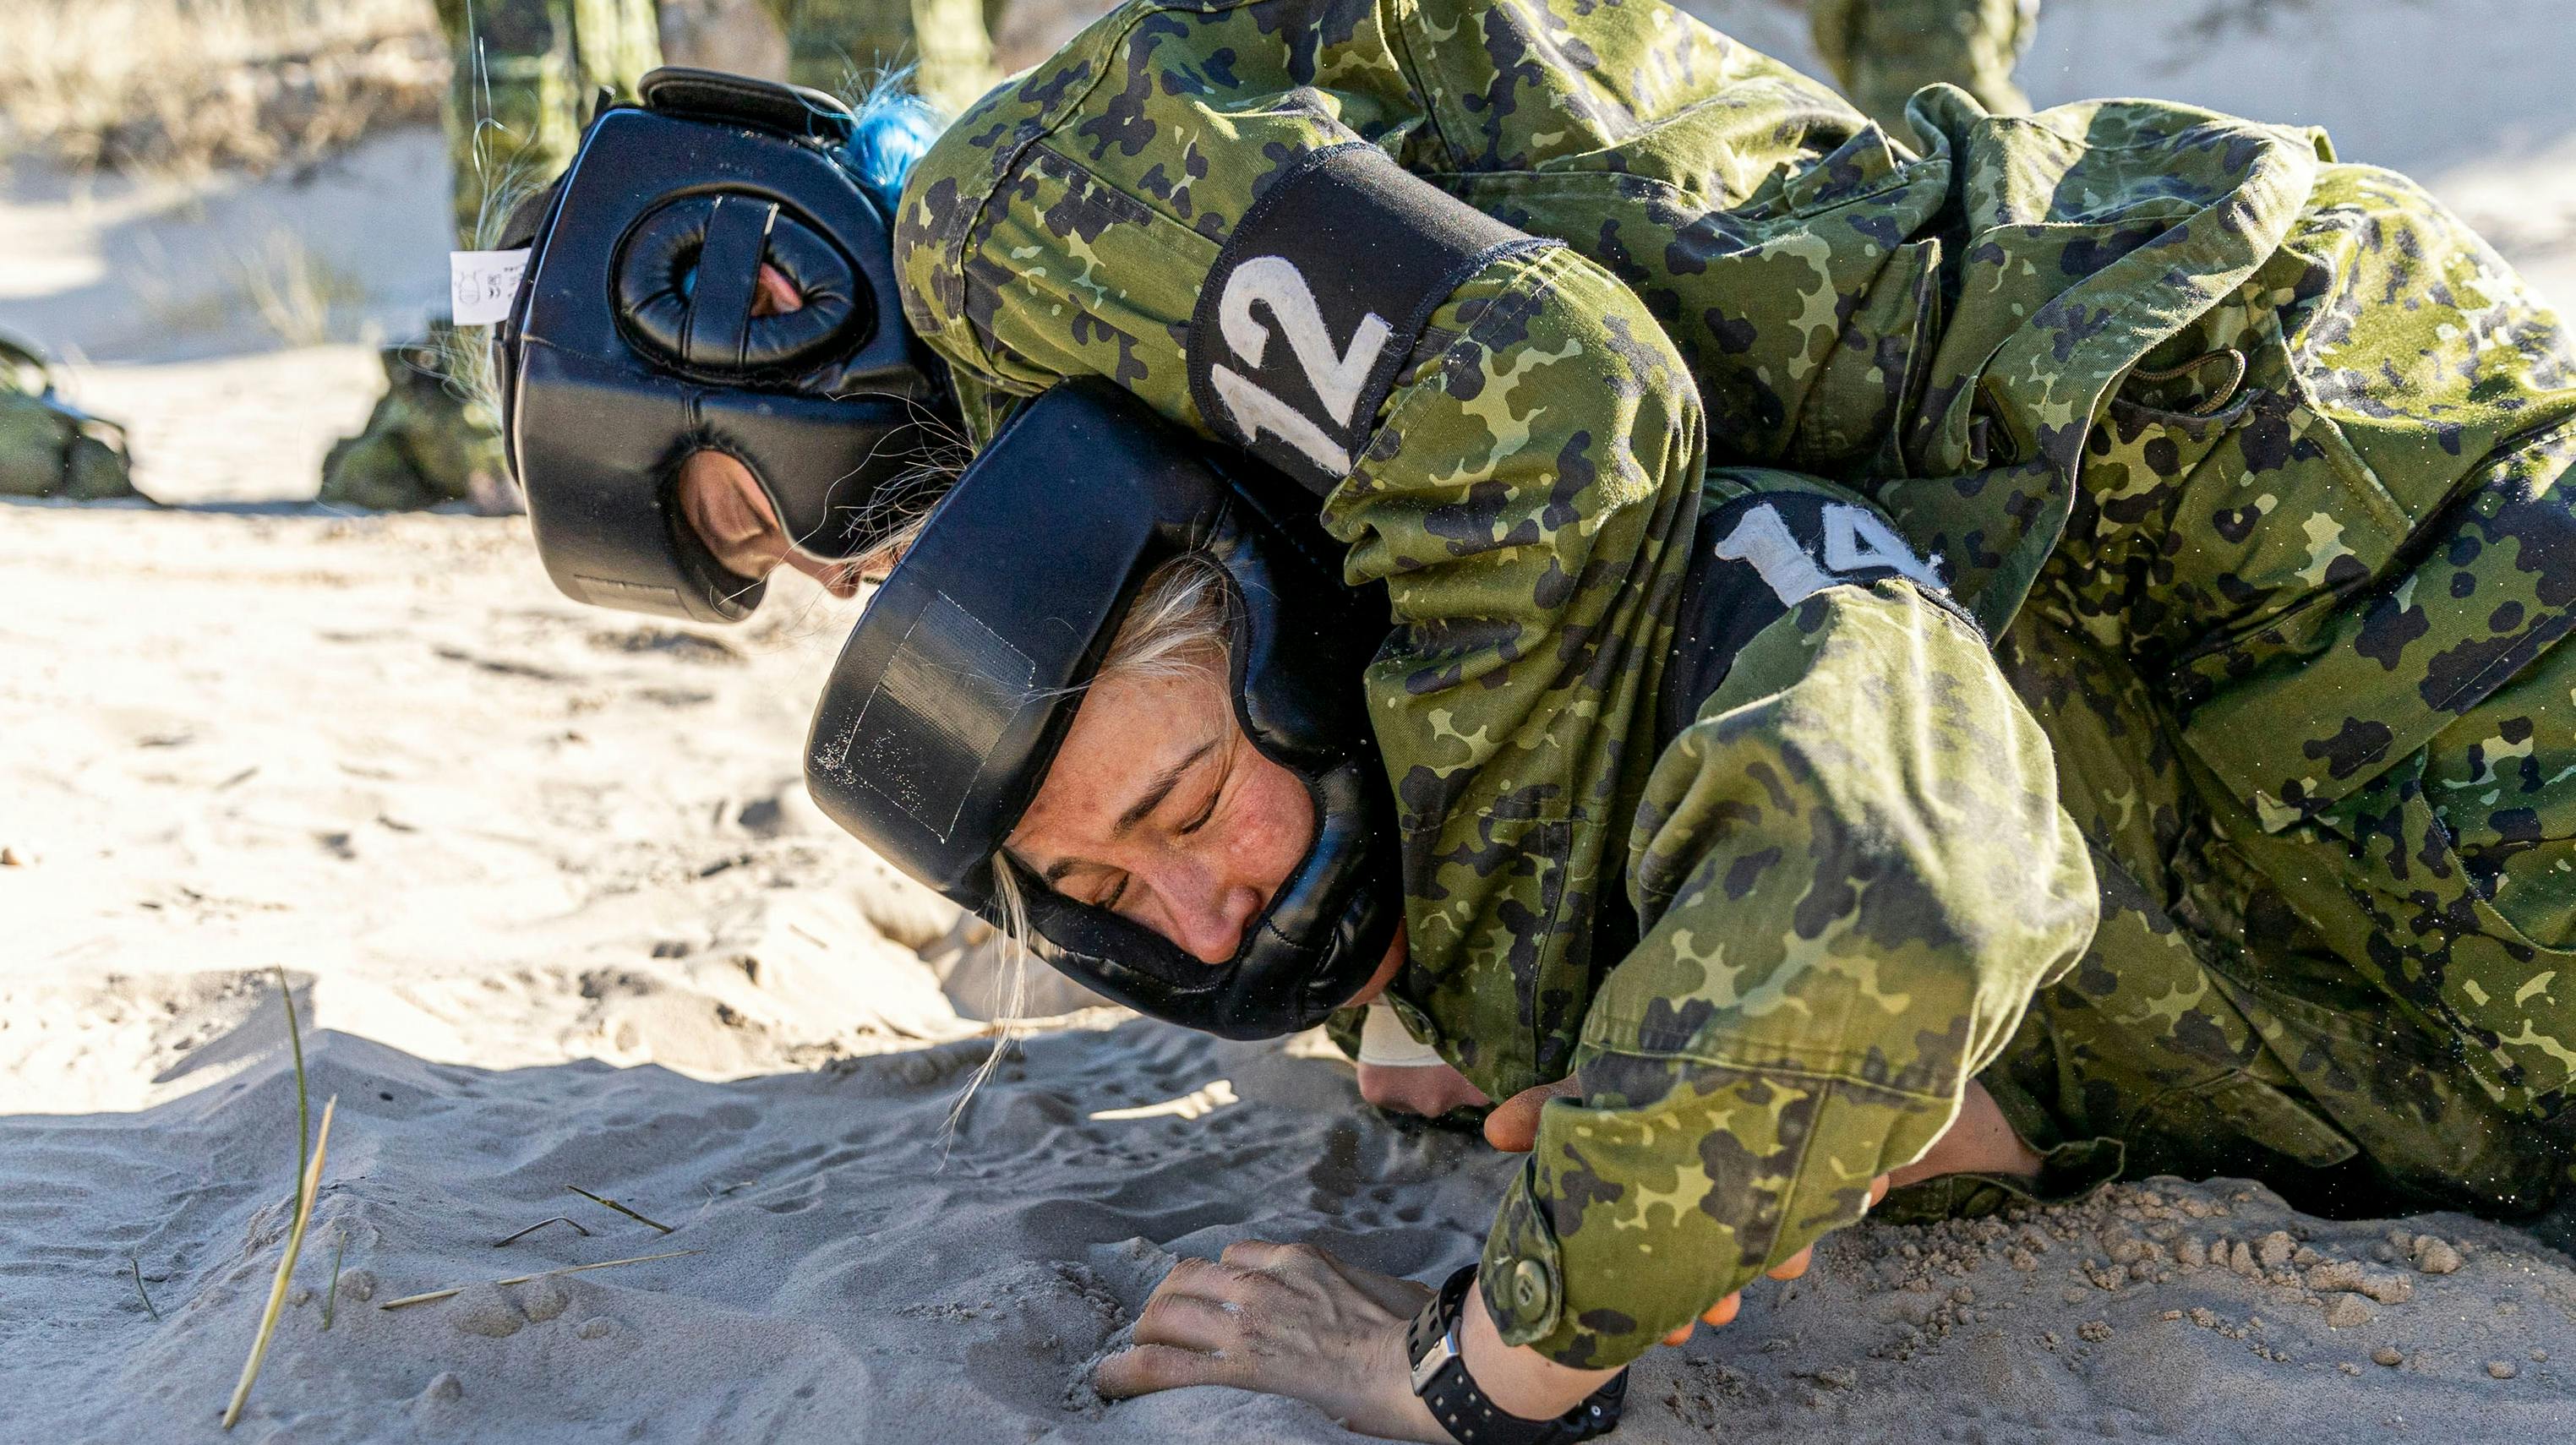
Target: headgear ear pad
{"type": "Point", "coordinates": [949, 701]}
{"type": "Point", "coordinates": [640, 335]}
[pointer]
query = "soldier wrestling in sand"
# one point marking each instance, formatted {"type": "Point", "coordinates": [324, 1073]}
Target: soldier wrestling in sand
{"type": "Point", "coordinates": [1991, 658]}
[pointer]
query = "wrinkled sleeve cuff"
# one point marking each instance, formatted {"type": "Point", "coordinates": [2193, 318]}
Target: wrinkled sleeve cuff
{"type": "Point", "coordinates": [1522, 1277]}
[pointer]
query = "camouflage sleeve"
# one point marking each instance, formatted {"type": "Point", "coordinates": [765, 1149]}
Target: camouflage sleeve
{"type": "Point", "coordinates": [1854, 873]}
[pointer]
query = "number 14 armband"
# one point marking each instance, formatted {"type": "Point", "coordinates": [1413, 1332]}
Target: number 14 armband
{"type": "Point", "coordinates": [1318, 297]}
{"type": "Point", "coordinates": [1759, 555]}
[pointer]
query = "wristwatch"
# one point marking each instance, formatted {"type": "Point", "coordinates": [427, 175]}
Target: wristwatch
{"type": "Point", "coordinates": [1440, 1378]}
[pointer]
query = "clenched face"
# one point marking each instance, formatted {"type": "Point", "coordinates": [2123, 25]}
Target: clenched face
{"type": "Point", "coordinates": [1159, 809]}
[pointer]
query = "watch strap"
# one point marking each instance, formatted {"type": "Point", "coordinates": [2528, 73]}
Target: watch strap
{"type": "Point", "coordinates": [1440, 1378]}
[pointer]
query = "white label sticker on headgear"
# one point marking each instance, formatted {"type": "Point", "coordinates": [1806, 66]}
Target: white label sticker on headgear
{"type": "Point", "coordinates": [481, 284]}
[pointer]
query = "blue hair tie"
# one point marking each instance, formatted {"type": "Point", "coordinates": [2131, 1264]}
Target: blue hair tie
{"type": "Point", "coordinates": [890, 132]}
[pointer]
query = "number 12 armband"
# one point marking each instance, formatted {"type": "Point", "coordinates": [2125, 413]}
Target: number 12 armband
{"type": "Point", "coordinates": [1319, 296]}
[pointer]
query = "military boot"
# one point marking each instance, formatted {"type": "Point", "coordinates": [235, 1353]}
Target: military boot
{"type": "Point", "coordinates": [49, 447]}
{"type": "Point", "coordinates": [425, 443]}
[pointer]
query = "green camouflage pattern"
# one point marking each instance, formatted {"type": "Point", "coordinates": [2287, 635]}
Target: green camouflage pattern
{"type": "Point", "coordinates": [527, 73]}
{"type": "Point", "coordinates": [425, 442]}
{"type": "Point", "coordinates": [1882, 51]}
{"type": "Point", "coordinates": [2208, 402]}
{"type": "Point", "coordinates": [48, 447]}
{"type": "Point", "coordinates": [837, 45]}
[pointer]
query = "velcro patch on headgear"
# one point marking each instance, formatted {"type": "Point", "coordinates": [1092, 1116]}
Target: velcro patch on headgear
{"type": "Point", "coordinates": [923, 736]}
{"type": "Point", "coordinates": [1318, 298]}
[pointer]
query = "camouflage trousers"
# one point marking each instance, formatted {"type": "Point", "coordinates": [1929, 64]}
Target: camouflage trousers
{"type": "Point", "coordinates": [1882, 51]}
{"type": "Point", "coordinates": [2367, 1000]}
{"type": "Point", "coordinates": [527, 74]}
{"type": "Point", "coordinates": [835, 45]}
{"type": "Point", "coordinates": [426, 441]}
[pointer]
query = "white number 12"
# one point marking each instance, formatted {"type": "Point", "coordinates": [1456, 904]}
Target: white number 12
{"type": "Point", "coordinates": [1337, 379]}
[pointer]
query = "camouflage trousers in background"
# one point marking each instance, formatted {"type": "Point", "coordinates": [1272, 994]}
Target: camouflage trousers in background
{"type": "Point", "coordinates": [948, 43]}
{"type": "Point", "coordinates": [527, 73]}
{"type": "Point", "coordinates": [1882, 51]}
{"type": "Point", "coordinates": [48, 447]}
{"type": "Point", "coordinates": [425, 442]}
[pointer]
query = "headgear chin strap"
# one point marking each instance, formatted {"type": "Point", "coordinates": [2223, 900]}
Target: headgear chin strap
{"type": "Point", "coordinates": [633, 342]}
{"type": "Point", "coordinates": [952, 695]}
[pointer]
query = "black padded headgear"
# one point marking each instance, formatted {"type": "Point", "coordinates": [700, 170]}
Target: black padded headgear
{"type": "Point", "coordinates": [632, 341]}
{"type": "Point", "coordinates": [953, 693]}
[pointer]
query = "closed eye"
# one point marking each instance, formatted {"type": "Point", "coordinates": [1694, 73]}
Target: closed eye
{"type": "Point", "coordinates": [1207, 810]}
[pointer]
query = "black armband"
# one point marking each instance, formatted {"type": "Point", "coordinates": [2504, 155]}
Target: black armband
{"type": "Point", "coordinates": [1755, 557]}
{"type": "Point", "coordinates": [1317, 299]}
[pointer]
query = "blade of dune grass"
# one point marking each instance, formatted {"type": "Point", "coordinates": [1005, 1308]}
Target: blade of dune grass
{"type": "Point", "coordinates": [331, 1292]}
{"type": "Point", "coordinates": [540, 1224]}
{"type": "Point", "coordinates": [311, 1184]}
{"type": "Point", "coordinates": [303, 1105]}
{"type": "Point", "coordinates": [620, 1208]}
{"type": "Point", "coordinates": [137, 1266]}
{"type": "Point", "coordinates": [450, 1293]}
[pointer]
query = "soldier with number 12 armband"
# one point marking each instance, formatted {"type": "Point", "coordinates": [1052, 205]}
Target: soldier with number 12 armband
{"type": "Point", "coordinates": [1982, 660]}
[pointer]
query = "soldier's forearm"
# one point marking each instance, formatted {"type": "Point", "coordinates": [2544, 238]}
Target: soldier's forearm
{"type": "Point", "coordinates": [1979, 1141]}
{"type": "Point", "coordinates": [1517, 1378]}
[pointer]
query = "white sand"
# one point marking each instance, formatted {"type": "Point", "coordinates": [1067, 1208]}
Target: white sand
{"type": "Point", "coordinates": [546, 882]}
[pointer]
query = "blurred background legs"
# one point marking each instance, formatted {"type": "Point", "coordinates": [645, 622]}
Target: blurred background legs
{"type": "Point", "coordinates": [840, 45]}
{"type": "Point", "coordinates": [1882, 51]}
{"type": "Point", "coordinates": [527, 74]}
{"type": "Point", "coordinates": [48, 447]}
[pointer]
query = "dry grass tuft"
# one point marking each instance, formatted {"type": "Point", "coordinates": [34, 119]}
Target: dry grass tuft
{"type": "Point", "coordinates": [297, 294]}
{"type": "Point", "coordinates": [183, 86]}
{"type": "Point", "coordinates": [454, 1290]}
{"type": "Point", "coordinates": [620, 1208]}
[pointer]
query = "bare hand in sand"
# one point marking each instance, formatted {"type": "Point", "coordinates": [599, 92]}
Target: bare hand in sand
{"type": "Point", "coordinates": [1285, 1319]}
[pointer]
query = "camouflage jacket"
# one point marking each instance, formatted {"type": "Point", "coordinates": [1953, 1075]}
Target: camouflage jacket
{"type": "Point", "coordinates": [1852, 873]}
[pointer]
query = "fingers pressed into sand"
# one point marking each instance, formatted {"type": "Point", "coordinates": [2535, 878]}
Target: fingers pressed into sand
{"type": "Point", "coordinates": [1144, 1369]}
{"type": "Point", "coordinates": [1513, 1126]}
{"type": "Point", "coordinates": [1877, 1190]}
{"type": "Point", "coordinates": [1794, 1266]}
{"type": "Point", "coordinates": [1716, 1316]}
